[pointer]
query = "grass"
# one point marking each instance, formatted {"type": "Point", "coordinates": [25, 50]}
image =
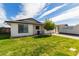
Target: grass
{"type": "Point", "coordinates": [4, 35]}
{"type": "Point", "coordinates": [39, 46]}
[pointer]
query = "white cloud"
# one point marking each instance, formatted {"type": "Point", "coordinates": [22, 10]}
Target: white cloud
{"type": "Point", "coordinates": [52, 10]}
{"type": "Point", "coordinates": [2, 14]}
{"type": "Point", "coordinates": [29, 10]}
{"type": "Point", "coordinates": [19, 16]}
{"type": "Point", "coordinates": [67, 14]}
{"type": "Point", "coordinates": [44, 8]}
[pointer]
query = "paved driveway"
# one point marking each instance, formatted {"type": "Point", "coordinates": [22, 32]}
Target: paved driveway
{"type": "Point", "coordinates": [69, 36]}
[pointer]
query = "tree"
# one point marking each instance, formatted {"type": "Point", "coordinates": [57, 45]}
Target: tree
{"type": "Point", "coordinates": [49, 25]}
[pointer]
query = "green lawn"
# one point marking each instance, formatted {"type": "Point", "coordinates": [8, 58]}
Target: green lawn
{"type": "Point", "coordinates": [39, 46]}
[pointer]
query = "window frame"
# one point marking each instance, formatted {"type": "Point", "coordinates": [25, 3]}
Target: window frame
{"type": "Point", "coordinates": [23, 28]}
{"type": "Point", "coordinates": [37, 27]}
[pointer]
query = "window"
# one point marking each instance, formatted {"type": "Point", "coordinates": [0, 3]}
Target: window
{"type": "Point", "coordinates": [37, 27]}
{"type": "Point", "coordinates": [22, 28]}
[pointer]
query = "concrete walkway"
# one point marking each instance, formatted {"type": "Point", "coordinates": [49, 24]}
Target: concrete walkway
{"type": "Point", "coordinates": [69, 36]}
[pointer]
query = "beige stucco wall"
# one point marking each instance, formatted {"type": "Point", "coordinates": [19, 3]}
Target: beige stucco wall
{"type": "Point", "coordinates": [69, 29]}
{"type": "Point", "coordinates": [14, 30]}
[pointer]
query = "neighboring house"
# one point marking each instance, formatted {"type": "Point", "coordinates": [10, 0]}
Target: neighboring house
{"type": "Point", "coordinates": [25, 27]}
{"type": "Point", "coordinates": [4, 28]}
{"type": "Point", "coordinates": [64, 28]}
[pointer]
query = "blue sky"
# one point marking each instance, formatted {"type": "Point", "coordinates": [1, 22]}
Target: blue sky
{"type": "Point", "coordinates": [12, 9]}
{"type": "Point", "coordinates": [60, 13]}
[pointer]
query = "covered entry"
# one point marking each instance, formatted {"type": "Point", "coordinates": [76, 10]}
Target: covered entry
{"type": "Point", "coordinates": [38, 30]}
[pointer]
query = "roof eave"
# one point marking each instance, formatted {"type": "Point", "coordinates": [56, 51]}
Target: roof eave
{"type": "Point", "coordinates": [23, 22]}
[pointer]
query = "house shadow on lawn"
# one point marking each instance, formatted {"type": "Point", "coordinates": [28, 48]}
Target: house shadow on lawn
{"type": "Point", "coordinates": [41, 36]}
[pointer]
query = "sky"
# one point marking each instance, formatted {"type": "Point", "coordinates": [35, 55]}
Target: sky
{"type": "Point", "coordinates": [60, 13]}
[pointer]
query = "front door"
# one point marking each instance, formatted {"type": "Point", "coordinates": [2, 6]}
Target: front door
{"type": "Point", "coordinates": [38, 30]}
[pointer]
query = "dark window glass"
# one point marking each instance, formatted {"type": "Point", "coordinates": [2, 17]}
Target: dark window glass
{"type": "Point", "coordinates": [22, 28]}
{"type": "Point", "coordinates": [37, 27]}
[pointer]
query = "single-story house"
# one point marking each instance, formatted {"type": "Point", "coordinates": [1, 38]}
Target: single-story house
{"type": "Point", "coordinates": [66, 29]}
{"type": "Point", "coordinates": [25, 27]}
